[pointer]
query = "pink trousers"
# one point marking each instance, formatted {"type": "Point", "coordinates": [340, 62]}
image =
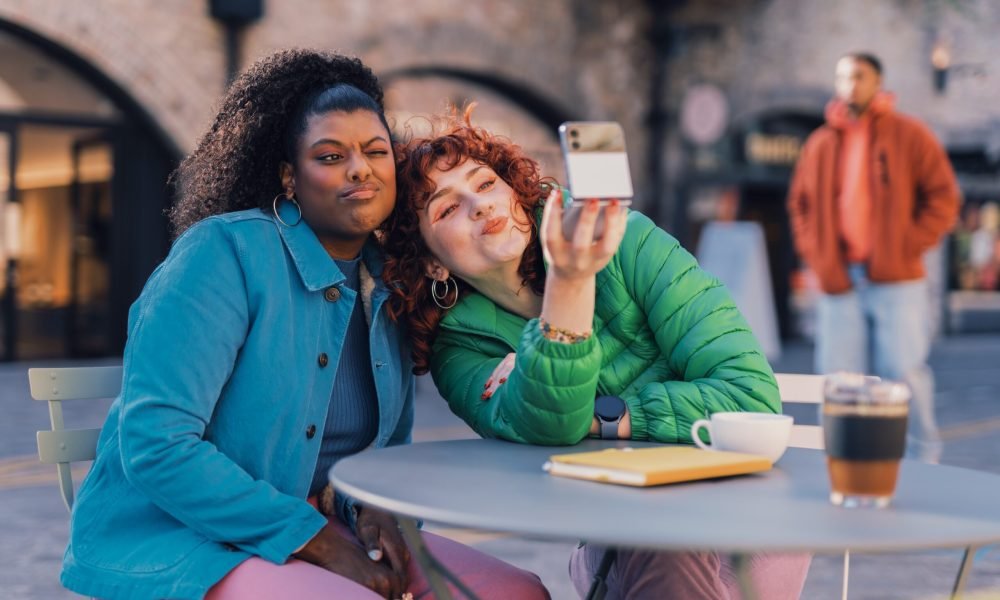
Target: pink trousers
{"type": "Point", "coordinates": [488, 577]}
{"type": "Point", "coordinates": [653, 575]}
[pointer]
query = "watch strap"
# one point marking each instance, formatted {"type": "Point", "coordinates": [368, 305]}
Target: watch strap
{"type": "Point", "coordinates": [609, 429]}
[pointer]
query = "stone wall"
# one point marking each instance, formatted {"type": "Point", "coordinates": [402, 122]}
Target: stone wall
{"type": "Point", "coordinates": [587, 58]}
{"type": "Point", "coordinates": [591, 59]}
{"type": "Point", "coordinates": [781, 53]}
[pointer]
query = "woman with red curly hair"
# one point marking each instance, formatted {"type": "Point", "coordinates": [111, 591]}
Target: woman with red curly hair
{"type": "Point", "coordinates": [619, 337]}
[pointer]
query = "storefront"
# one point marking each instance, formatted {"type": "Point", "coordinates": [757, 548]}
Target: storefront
{"type": "Point", "coordinates": [745, 177]}
{"type": "Point", "coordinates": [973, 303]}
{"type": "Point", "coordinates": [82, 195]}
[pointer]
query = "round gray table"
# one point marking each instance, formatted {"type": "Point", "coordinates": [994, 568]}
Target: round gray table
{"type": "Point", "coordinates": [499, 486]}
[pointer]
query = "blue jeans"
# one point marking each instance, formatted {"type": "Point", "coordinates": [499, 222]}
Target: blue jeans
{"type": "Point", "coordinates": [883, 329]}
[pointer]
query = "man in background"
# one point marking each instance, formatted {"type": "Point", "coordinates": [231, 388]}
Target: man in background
{"type": "Point", "coordinates": [872, 192]}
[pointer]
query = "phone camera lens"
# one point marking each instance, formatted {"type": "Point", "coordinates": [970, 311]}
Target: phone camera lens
{"type": "Point", "coordinates": [574, 133]}
{"type": "Point", "coordinates": [576, 145]}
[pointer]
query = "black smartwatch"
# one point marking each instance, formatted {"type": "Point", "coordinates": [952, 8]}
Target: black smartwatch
{"type": "Point", "coordinates": [609, 411]}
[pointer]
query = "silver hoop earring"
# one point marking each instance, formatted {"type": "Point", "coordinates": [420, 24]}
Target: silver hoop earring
{"type": "Point", "coordinates": [291, 198]}
{"type": "Point", "coordinates": [439, 297]}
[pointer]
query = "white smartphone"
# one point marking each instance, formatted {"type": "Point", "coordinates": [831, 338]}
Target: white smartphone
{"type": "Point", "coordinates": [596, 167]}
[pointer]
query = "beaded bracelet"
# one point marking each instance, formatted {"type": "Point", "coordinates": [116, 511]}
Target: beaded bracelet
{"type": "Point", "coordinates": [563, 336]}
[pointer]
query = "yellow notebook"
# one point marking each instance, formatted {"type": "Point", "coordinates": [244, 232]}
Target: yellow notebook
{"type": "Point", "coordinates": [654, 466]}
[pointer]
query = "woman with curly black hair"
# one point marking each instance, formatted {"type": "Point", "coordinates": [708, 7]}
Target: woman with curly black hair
{"type": "Point", "coordinates": [259, 354]}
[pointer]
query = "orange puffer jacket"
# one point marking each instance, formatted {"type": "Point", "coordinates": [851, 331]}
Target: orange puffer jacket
{"type": "Point", "coordinates": [915, 200]}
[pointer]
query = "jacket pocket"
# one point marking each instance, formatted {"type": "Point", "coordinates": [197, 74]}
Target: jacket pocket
{"type": "Point", "coordinates": [132, 535]}
{"type": "Point", "coordinates": [914, 244]}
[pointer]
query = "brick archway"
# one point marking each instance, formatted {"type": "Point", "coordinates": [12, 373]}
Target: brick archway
{"type": "Point", "coordinates": [549, 112]}
{"type": "Point", "coordinates": [108, 48]}
{"type": "Point", "coordinates": [131, 229]}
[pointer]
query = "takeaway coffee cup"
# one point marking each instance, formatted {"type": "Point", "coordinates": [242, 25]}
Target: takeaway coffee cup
{"type": "Point", "coordinates": [864, 430]}
{"type": "Point", "coordinates": [763, 434]}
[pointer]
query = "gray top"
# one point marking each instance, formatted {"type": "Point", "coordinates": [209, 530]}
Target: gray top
{"type": "Point", "coordinates": [500, 486]}
{"type": "Point", "coordinates": [352, 419]}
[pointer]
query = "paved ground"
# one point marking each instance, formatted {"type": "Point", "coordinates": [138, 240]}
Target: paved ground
{"type": "Point", "coordinates": [33, 520]}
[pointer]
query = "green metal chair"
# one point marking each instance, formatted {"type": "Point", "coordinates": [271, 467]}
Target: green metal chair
{"type": "Point", "coordinates": [802, 389]}
{"type": "Point", "coordinates": [61, 446]}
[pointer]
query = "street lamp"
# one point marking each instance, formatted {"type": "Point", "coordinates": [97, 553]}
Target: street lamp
{"type": "Point", "coordinates": [940, 61]}
{"type": "Point", "coordinates": [945, 69]}
{"type": "Point", "coordinates": [12, 249]}
{"type": "Point", "coordinates": [235, 15]}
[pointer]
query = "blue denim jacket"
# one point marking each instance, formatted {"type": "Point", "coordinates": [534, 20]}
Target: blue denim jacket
{"type": "Point", "coordinates": [206, 456]}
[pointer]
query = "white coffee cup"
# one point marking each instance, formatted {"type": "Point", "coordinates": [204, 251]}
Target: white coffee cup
{"type": "Point", "coordinates": [763, 434]}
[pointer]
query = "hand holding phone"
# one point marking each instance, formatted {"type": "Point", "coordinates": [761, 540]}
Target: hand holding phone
{"type": "Point", "coordinates": [596, 167]}
{"type": "Point", "coordinates": [571, 216]}
{"type": "Point", "coordinates": [580, 256]}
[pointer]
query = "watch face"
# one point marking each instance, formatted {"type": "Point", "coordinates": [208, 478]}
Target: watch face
{"type": "Point", "coordinates": [609, 408]}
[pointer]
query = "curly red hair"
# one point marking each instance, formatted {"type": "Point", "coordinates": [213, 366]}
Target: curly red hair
{"type": "Point", "coordinates": [407, 255]}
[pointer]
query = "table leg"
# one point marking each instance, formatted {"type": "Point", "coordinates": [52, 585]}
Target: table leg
{"type": "Point", "coordinates": [847, 574]}
{"type": "Point", "coordinates": [433, 569]}
{"type": "Point", "coordinates": [963, 572]}
{"type": "Point", "coordinates": [741, 567]}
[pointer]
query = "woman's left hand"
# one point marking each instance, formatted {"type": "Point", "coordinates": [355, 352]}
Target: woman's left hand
{"type": "Point", "coordinates": [499, 375]}
{"type": "Point", "coordinates": [379, 534]}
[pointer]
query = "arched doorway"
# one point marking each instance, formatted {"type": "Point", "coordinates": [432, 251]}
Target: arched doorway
{"type": "Point", "coordinates": [505, 107]}
{"type": "Point", "coordinates": [83, 174]}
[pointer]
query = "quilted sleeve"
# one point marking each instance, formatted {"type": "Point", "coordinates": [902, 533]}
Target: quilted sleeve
{"type": "Point", "coordinates": [548, 398]}
{"type": "Point", "coordinates": [717, 361]}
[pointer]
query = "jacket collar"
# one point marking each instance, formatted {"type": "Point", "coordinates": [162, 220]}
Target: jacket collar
{"type": "Point", "coordinates": [477, 314]}
{"type": "Point", "coordinates": [839, 117]}
{"type": "Point", "coordinates": [317, 270]}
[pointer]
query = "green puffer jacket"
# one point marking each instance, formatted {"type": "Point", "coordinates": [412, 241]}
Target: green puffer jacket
{"type": "Point", "coordinates": [667, 338]}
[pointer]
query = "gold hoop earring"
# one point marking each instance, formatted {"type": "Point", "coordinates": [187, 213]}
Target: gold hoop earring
{"type": "Point", "coordinates": [290, 198]}
{"type": "Point", "coordinates": [439, 297]}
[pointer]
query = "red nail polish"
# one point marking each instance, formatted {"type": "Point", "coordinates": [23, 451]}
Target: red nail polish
{"type": "Point", "coordinates": [484, 396]}
{"type": "Point", "coordinates": [615, 203]}
{"type": "Point", "coordinates": [503, 380]}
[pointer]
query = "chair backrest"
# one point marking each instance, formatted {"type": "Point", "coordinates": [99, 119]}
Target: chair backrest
{"type": "Point", "coordinates": [808, 389]}
{"type": "Point", "coordinates": [62, 446]}
{"type": "Point", "coordinates": [802, 389]}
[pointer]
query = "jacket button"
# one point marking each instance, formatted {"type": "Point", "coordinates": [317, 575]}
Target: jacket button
{"type": "Point", "coordinates": [332, 294]}
{"type": "Point", "coordinates": [323, 359]}
{"type": "Point", "coordinates": [310, 432]}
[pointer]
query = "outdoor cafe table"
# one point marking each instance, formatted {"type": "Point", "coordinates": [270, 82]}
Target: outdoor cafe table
{"type": "Point", "coordinates": [499, 486]}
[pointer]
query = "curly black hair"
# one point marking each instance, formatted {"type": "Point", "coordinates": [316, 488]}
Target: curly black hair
{"type": "Point", "coordinates": [236, 165]}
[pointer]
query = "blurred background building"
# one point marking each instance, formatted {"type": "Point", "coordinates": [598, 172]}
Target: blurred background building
{"type": "Point", "coordinates": [99, 101]}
